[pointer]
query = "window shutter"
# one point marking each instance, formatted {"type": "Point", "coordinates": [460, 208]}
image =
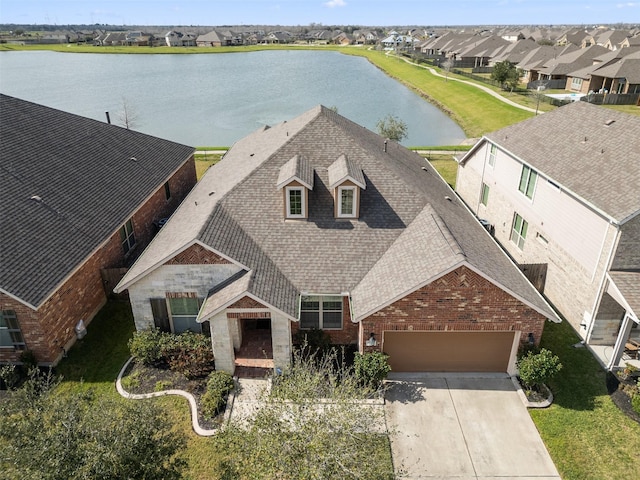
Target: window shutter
{"type": "Point", "coordinates": [160, 314]}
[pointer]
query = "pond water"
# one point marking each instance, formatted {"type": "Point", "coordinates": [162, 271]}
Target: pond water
{"type": "Point", "coordinates": [216, 99]}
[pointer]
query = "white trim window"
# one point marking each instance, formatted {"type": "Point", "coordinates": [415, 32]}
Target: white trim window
{"type": "Point", "coordinates": [321, 311]}
{"type": "Point", "coordinates": [347, 202]}
{"type": "Point", "coordinates": [484, 194]}
{"type": "Point", "coordinates": [295, 202]}
{"type": "Point", "coordinates": [528, 179]}
{"type": "Point", "coordinates": [127, 237]}
{"type": "Point", "coordinates": [493, 153]}
{"type": "Point", "coordinates": [576, 83]}
{"type": "Point", "coordinates": [183, 313]}
{"type": "Point", "coordinates": [10, 334]}
{"type": "Point", "coordinates": [519, 230]}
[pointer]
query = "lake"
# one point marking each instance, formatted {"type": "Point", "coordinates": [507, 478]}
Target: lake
{"type": "Point", "coordinates": [216, 99]}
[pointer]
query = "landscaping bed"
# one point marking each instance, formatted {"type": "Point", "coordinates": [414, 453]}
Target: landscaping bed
{"type": "Point", "coordinates": [622, 389]}
{"type": "Point", "coordinates": [141, 379]}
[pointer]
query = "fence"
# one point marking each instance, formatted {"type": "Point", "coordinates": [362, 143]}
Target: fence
{"type": "Point", "coordinates": [110, 278]}
{"type": "Point", "coordinates": [548, 84]}
{"type": "Point", "coordinates": [612, 98]}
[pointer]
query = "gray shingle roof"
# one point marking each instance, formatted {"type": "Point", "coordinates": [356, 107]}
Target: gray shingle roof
{"type": "Point", "coordinates": [406, 205]}
{"type": "Point", "coordinates": [67, 184]}
{"type": "Point", "coordinates": [296, 169]}
{"type": "Point", "coordinates": [343, 169]}
{"type": "Point", "coordinates": [592, 151]}
{"type": "Point", "coordinates": [628, 283]}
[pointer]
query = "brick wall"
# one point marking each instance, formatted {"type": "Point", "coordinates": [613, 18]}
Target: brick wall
{"type": "Point", "coordinates": [50, 330]}
{"type": "Point", "coordinates": [460, 301]}
{"type": "Point", "coordinates": [196, 255]}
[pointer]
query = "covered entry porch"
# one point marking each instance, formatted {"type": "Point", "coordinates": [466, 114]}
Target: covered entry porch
{"type": "Point", "coordinates": [614, 337]}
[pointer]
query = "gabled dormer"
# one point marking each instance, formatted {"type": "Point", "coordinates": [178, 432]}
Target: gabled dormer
{"type": "Point", "coordinates": [346, 181]}
{"type": "Point", "coordinates": [296, 180]}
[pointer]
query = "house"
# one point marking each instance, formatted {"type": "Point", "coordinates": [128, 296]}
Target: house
{"type": "Point", "coordinates": [561, 191]}
{"type": "Point", "coordinates": [79, 197]}
{"type": "Point", "coordinates": [617, 71]}
{"type": "Point", "coordinates": [557, 69]}
{"type": "Point", "coordinates": [319, 223]}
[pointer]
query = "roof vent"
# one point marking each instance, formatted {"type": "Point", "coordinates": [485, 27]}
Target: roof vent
{"type": "Point", "coordinates": [609, 122]}
{"type": "Point", "coordinates": [448, 198]}
{"type": "Point", "coordinates": [36, 198]}
{"type": "Point", "coordinates": [133, 159]}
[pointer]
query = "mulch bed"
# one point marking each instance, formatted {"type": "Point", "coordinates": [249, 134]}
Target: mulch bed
{"type": "Point", "coordinates": [141, 378]}
{"type": "Point", "coordinates": [621, 398]}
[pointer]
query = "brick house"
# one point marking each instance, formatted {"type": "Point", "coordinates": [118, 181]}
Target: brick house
{"type": "Point", "coordinates": [320, 223]}
{"type": "Point", "coordinates": [561, 191]}
{"type": "Point", "coordinates": [77, 196]}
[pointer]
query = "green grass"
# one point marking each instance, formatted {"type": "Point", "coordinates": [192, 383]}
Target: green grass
{"type": "Point", "coordinates": [632, 109]}
{"type": "Point", "coordinates": [445, 148]}
{"type": "Point", "coordinates": [446, 166]}
{"type": "Point", "coordinates": [587, 436]}
{"type": "Point", "coordinates": [204, 161]}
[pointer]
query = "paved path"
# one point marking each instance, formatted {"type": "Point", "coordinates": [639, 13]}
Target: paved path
{"type": "Point", "coordinates": [463, 428]}
{"type": "Point", "coordinates": [473, 84]}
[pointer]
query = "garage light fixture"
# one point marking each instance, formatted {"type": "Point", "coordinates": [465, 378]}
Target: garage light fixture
{"type": "Point", "coordinates": [371, 341]}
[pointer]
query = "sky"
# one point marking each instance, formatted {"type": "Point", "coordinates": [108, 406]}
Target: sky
{"type": "Point", "coordinates": [325, 12]}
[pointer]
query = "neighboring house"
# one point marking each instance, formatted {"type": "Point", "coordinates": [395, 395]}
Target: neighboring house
{"type": "Point", "coordinates": [78, 196]}
{"type": "Point", "coordinates": [617, 71]}
{"type": "Point", "coordinates": [558, 68]}
{"type": "Point", "coordinates": [179, 39]}
{"type": "Point", "coordinates": [319, 223]}
{"type": "Point", "coordinates": [561, 192]}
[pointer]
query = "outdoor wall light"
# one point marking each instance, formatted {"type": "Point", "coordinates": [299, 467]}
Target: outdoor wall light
{"type": "Point", "coordinates": [371, 341]}
{"type": "Point", "coordinates": [531, 339]}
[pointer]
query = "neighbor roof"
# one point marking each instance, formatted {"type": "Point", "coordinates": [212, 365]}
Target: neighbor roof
{"type": "Point", "coordinates": [591, 151]}
{"type": "Point", "coordinates": [407, 212]}
{"type": "Point", "coordinates": [68, 184]}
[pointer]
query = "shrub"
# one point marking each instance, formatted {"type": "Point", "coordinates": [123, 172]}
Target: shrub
{"type": "Point", "coordinates": [215, 398]}
{"type": "Point", "coordinates": [536, 369]}
{"type": "Point", "coordinates": [190, 354]}
{"type": "Point", "coordinates": [29, 360]}
{"type": "Point", "coordinates": [314, 338]}
{"type": "Point", "coordinates": [9, 377]}
{"type": "Point", "coordinates": [146, 346]}
{"type": "Point", "coordinates": [635, 403]}
{"type": "Point", "coordinates": [162, 385]}
{"type": "Point", "coordinates": [371, 368]}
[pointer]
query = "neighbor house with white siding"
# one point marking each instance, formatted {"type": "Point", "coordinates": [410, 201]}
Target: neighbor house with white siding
{"type": "Point", "coordinates": [560, 193]}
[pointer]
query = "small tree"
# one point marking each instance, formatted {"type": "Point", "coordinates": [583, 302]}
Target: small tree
{"type": "Point", "coordinates": [506, 74]}
{"type": "Point", "coordinates": [537, 368]}
{"type": "Point", "coordinates": [392, 128]}
{"type": "Point", "coordinates": [128, 116]}
{"type": "Point", "coordinates": [447, 65]}
{"type": "Point", "coordinates": [371, 368]}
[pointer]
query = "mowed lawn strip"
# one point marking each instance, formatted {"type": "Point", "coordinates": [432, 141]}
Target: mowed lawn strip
{"type": "Point", "coordinates": [587, 436]}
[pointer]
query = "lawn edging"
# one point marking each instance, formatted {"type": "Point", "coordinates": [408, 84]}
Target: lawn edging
{"type": "Point", "coordinates": [193, 406]}
{"type": "Point", "coordinates": [527, 403]}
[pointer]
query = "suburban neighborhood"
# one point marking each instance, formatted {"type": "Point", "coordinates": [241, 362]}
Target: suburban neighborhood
{"type": "Point", "coordinates": [329, 302]}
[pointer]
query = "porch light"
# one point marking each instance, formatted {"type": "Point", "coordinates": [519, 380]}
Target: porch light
{"type": "Point", "coordinates": [371, 341]}
{"type": "Point", "coordinates": [531, 339]}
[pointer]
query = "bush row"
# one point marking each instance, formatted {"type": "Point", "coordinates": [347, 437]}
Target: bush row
{"type": "Point", "coordinates": [188, 353]}
{"type": "Point", "coordinates": [214, 399]}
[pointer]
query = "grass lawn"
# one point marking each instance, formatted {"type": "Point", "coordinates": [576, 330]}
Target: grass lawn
{"type": "Point", "coordinates": [587, 436]}
{"type": "Point", "coordinates": [446, 166]}
{"type": "Point", "coordinates": [204, 161]}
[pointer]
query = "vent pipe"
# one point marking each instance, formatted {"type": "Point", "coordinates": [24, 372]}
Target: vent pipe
{"type": "Point", "coordinates": [385, 146]}
{"type": "Point", "coordinates": [108, 118]}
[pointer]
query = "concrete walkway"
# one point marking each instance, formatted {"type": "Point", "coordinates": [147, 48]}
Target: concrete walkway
{"type": "Point", "coordinates": [463, 427]}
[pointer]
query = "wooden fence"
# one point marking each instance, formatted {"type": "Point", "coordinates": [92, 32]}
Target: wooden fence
{"type": "Point", "coordinates": [110, 278]}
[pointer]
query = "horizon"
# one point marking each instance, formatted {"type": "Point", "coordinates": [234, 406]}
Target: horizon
{"type": "Point", "coordinates": [319, 12]}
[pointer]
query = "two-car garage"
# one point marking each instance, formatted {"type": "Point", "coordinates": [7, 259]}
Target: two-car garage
{"type": "Point", "coordinates": [419, 351]}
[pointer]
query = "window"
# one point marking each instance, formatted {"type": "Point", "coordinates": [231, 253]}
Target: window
{"type": "Point", "coordinates": [484, 197]}
{"type": "Point", "coordinates": [528, 181]}
{"type": "Point", "coordinates": [321, 311]}
{"type": "Point", "coordinates": [127, 237]}
{"type": "Point", "coordinates": [347, 201]}
{"type": "Point", "coordinates": [576, 83]}
{"type": "Point", "coordinates": [519, 231]}
{"type": "Point", "coordinates": [295, 202]}
{"type": "Point", "coordinates": [184, 312]}
{"type": "Point", "coordinates": [493, 151]}
{"type": "Point", "coordinates": [167, 190]}
{"type": "Point", "coordinates": [10, 334]}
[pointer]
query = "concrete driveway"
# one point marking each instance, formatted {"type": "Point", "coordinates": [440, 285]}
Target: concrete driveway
{"type": "Point", "coordinates": [463, 427]}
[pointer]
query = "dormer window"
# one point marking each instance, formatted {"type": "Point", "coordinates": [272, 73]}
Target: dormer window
{"type": "Point", "coordinates": [347, 201]}
{"type": "Point", "coordinates": [295, 179]}
{"type": "Point", "coordinates": [346, 180]}
{"type": "Point", "coordinates": [296, 205]}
